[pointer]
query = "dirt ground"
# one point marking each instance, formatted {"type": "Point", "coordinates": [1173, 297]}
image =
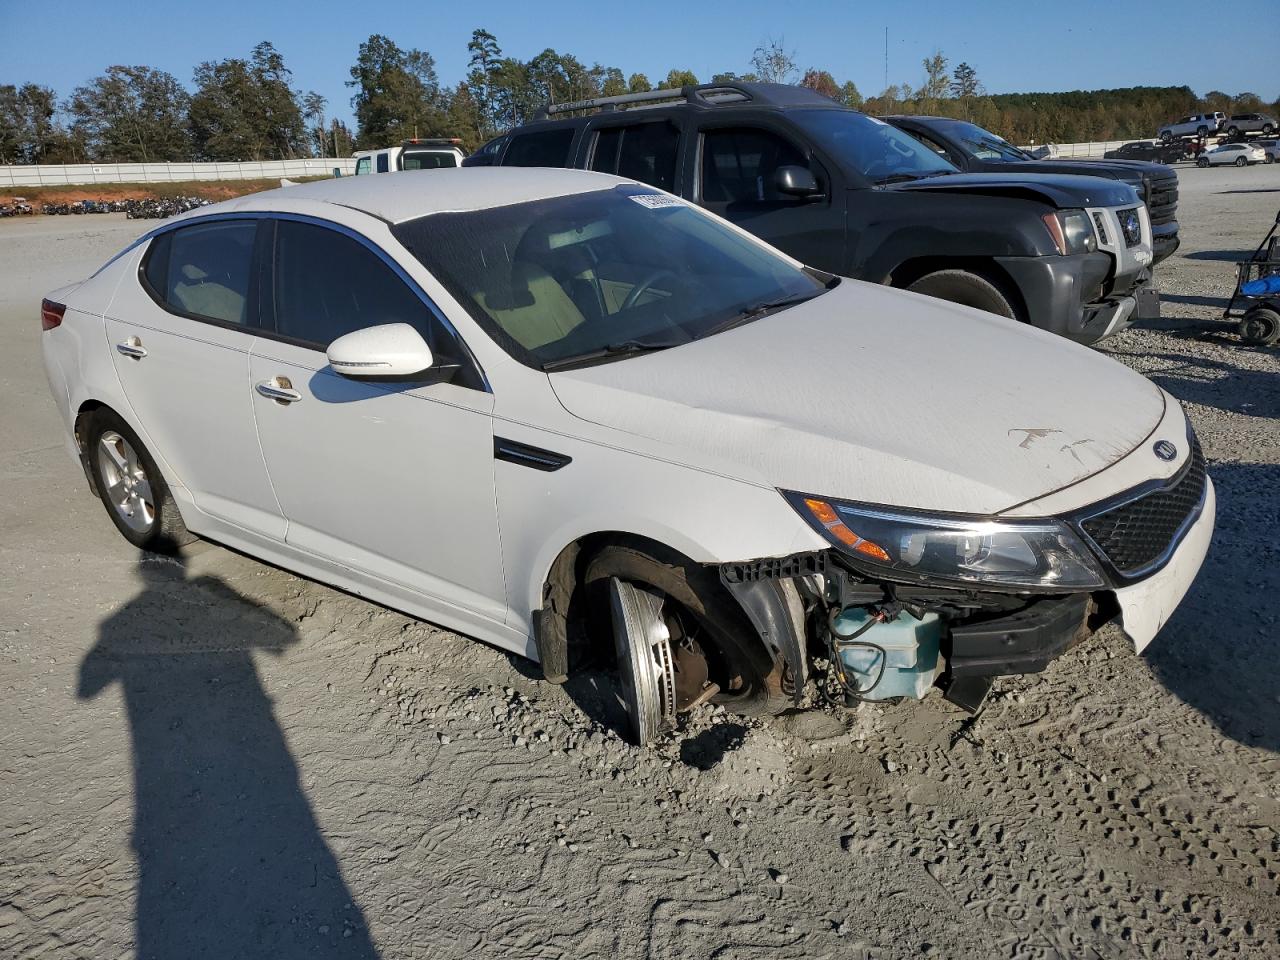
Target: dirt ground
{"type": "Point", "coordinates": [213, 190]}
{"type": "Point", "coordinates": [213, 758]}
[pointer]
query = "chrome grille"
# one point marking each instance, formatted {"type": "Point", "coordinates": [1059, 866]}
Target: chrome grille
{"type": "Point", "coordinates": [1136, 535]}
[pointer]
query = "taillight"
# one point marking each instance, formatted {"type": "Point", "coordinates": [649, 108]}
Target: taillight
{"type": "Point", "coordinates": [51, 314]}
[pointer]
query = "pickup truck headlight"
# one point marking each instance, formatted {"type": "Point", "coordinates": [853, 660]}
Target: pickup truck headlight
{"type": "Point", "coordinates": [1072, 231]}
{"type": "Point", "coordinates": [1033, 554]}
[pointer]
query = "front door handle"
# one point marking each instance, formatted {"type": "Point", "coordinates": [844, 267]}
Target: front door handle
{"type": "Point", "coordinates": [279, 389]}
{"type": "Point", "coordinates": [132, 348]}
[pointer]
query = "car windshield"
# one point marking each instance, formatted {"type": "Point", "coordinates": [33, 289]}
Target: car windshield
{"type": "Point", "coordinates": [985, 145]}
{"type": "Point", "coordinates": [873, 148]}
{"type": "Point", "coordinates": [592, 277]}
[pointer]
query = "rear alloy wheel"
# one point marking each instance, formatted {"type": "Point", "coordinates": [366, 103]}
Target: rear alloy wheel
{"type": "Point", "coordinates": [131, 487]}
{"type": "Point", "coordinates": [1202, 162]}
{"type": "Point", "coordinates": [1166, 136]}
{"type": "Point", "coordinates": [967, 289]}
{"type": "Point", "coordinates": [1241, 162]}
{"type": "Point", "coordinates": [1267, 129]}
{"type": "Point", "coordinates": [1260, 327]}
{"type": "Point", "coordinates": [1233, 131]}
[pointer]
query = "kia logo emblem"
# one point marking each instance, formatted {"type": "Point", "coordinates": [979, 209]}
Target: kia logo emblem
{"type": "Point", "coordinates": [1165, 450]}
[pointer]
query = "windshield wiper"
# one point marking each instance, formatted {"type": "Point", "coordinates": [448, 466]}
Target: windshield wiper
{"type": "Point", "coordinates": [756, 311]}
{"type": "Point", "coordinates": [611, 351]}
{"type": "Point", "coordinates": [903, 177]}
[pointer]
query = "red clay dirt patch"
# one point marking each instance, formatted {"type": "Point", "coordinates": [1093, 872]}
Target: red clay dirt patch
{"type": "Point", "coordinates": [213, 190]}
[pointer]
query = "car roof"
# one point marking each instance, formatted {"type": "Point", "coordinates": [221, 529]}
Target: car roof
{"type": "Point", "coordinates": [410, 194]}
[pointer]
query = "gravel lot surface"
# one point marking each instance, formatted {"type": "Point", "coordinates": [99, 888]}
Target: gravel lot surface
{"type": "Point", "coordinates": [213, 758]}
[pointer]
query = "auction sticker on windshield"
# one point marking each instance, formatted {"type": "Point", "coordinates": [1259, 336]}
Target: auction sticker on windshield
{"type": "Point", "coordinates": [655, 200]}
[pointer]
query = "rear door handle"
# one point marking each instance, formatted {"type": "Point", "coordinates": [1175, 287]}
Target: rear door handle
{"type": "Point", "coordinates": [279, 389]}
{"type": "Point", "coordinates": [132, 348]}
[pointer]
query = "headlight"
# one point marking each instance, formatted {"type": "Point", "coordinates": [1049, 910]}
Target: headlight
{"type": "Point", "coordinates": [1072, 231]}
{"type": "Point", "coordinates": [1039, 553]}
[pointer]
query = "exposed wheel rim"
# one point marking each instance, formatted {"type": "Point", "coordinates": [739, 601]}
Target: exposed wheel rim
{"type": "Point", "coordinates": [128, 489]}
{"type": "Point", "coordinates": [645, 664]}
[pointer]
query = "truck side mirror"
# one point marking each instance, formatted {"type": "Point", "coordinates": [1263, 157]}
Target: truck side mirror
{"type": "Point", "coordinates": [796, 181]}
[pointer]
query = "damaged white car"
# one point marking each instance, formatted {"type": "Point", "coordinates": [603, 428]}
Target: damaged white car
{"type": "Point", "coordinates": [576, 417]}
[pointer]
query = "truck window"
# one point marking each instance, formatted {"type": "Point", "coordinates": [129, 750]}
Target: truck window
{"type": "Point", "coordinates": [738, 165]}
{"type": "Point", "coordinates": [643, 151]}
{"type": "Point", "coordinates": [383, 162]}
{"type": "Point", "coordinates": [427, 160]}
{"type": "Point", "coordinates": [545, 148]}
{"type": "Point", "coordinates": [363, 166]}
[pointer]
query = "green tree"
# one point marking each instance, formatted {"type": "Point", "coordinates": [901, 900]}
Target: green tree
{"type": "Point", "coordinates": [246, 110]}
{"type": "Point", "coordinates": [615, 84]}
{"type": "Point", "coordinates": [937, 81]}
{"type": "Point", "coordinates": [965, 82]}
{"type": "Point", "coordinates": [28, 131]}
{"type": "Point", "coordinates": [131, 114]}
{"type": "Point", "coordinates": [397, 94]}
{"type": "Point", "coordinates": [313, 110]}
{"type": "Point", "coordinates": [772, 62]}
{"type": "Point", "coordinates": [850, 96]}
{"type": "Point", "coordinates": [679, 78]}
{"type": "Point", "coordinates": [465, 118]}
{"type": "Point", "coordinates": [482, 74]}
{"type": "Point", "coordinates": [638, 83]}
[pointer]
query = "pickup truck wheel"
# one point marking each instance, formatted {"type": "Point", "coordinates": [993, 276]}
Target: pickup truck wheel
{"type": "Point", "coordinates": [710, 637]}
{"type": "Point", "coordinates": [1202, 162]}
{"type": "Point", "coordinates": [131, 487]}
{"type": "Point", "coordinates": [967, 289]}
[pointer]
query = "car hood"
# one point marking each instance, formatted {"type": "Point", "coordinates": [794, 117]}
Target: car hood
{"type": "Point", "coordinates": [879, 395]}
{"type": "Point", "coordinates": [1059, 190]}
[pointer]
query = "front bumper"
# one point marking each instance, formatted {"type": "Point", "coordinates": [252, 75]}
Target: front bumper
{"type": "Point", "coordinates": [1066, 295]}
{"type": "Point", "coordinates": [1164, 241]}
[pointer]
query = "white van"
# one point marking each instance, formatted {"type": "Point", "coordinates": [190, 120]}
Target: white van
{"type": "Point", "coordinates": [417, 154]}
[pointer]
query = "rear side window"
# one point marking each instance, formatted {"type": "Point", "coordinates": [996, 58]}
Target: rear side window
{"type": "Point", "coordinates": [204, 270]}
{"type": "Point", "coordinates": [738, 165]}
{"type": "Point", "coordinates": [328, 284]}
{"type": "Point", "coordinates": [644, 152]}
{"type": "Point", "coordinates": [546, 148]}
{"type": "Point", "coordinates": [363, 166]}
{"type": "Point", "coordinates": [383, 163]}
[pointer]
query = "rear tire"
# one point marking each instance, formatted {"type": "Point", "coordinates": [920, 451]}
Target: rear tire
{"type": "Point", "coordinates": [1260, 327]}
{"type": "Point", "coordinates": [131, 487]}
{"type": "Point", "coordinates": [1233, 132]}
{"type": "Point", "coordinates": [1166, 136]}
{"type": "Point", "coordinates": [1202, 132]}
{"type": "Point", "coordinates": [750, 679]}
{"type": "Point", "coordinates": [968, 290]}
{"type": "Point", "coordinates": [1267, 129]}
{"type": "Point", "coordinates": [1202, 162]}
{"type": "Point", "coordinates": [1241, 162]}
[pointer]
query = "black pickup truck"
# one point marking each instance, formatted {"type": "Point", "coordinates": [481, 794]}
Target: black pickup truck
{"type": "Point", "coordinates": [976, 150]}
{"type": "Point", "coordinates": [853, 195]}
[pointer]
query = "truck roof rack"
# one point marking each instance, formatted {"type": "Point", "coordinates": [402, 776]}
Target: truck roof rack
{"type": "Point", "coordinates": [431, 142]}
{"type": "Point", "coordinates": [702, 94]}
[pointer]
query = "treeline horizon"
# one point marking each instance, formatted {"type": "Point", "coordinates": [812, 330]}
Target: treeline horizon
{"type": "Point", "coordinates": [247, 109]}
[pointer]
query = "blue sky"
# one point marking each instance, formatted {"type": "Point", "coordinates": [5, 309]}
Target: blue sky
{"type": "Point", "coordinates": [1015, 46]}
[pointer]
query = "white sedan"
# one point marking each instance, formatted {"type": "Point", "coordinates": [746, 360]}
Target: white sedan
{"type": "Point", "coordinates": [1237, 154]}
{"type": "Point", "coordinates": [578, 418]}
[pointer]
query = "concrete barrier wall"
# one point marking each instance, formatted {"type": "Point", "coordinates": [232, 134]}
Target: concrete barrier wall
{"type": "Point", "coordinates": [1068, 150]}
{"type": "Point", "coordinates": [47, 175]}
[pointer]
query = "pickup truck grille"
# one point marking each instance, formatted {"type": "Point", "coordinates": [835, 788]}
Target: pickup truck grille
{"type": "Point", "coordinates": [1136, 535]}
{"type": "Point", "coordinates": [1162, 199]}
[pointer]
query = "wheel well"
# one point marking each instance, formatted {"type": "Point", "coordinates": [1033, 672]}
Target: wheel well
{"type": "Point", "coordinates": [909, 271]}
{"type": "Point", "coordinates": [87, 409]}
{"type": "Point", "coordinates": [561, 625]}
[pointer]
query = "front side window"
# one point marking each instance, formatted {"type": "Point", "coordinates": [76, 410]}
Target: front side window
{"type": "Point", "coordinates": [328, 284]}
{"type": "Point", "coordinates": [870, 147]}
{"type": "Point", "coordinates": [643, 151]}
{"type": "Point", "coordinates": [204, 270]}
{"type": "Point", "coordinates": [545, 148]}
{"type": "Point", "coordinates": [739, 164]}
{"type": "Point", "coordinates": [363, 165]}
{"type": "Point", "coordinates": [595, 276]}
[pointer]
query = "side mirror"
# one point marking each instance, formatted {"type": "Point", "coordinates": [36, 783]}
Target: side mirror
{"type": "Point", "coordinates": [391, 351]}
{"type": "Point", "coordinates": [796, 181]}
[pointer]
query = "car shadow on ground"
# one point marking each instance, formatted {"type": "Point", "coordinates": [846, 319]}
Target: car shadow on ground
{"type": "Point", "coordinates": [1225, 256]}
{"type": "Point", "coordinates": [1229, 676]}
{"type": "Point", "coordinates": [231, 861]}
{"type": "Point", "coordinates": [1224, 386]}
